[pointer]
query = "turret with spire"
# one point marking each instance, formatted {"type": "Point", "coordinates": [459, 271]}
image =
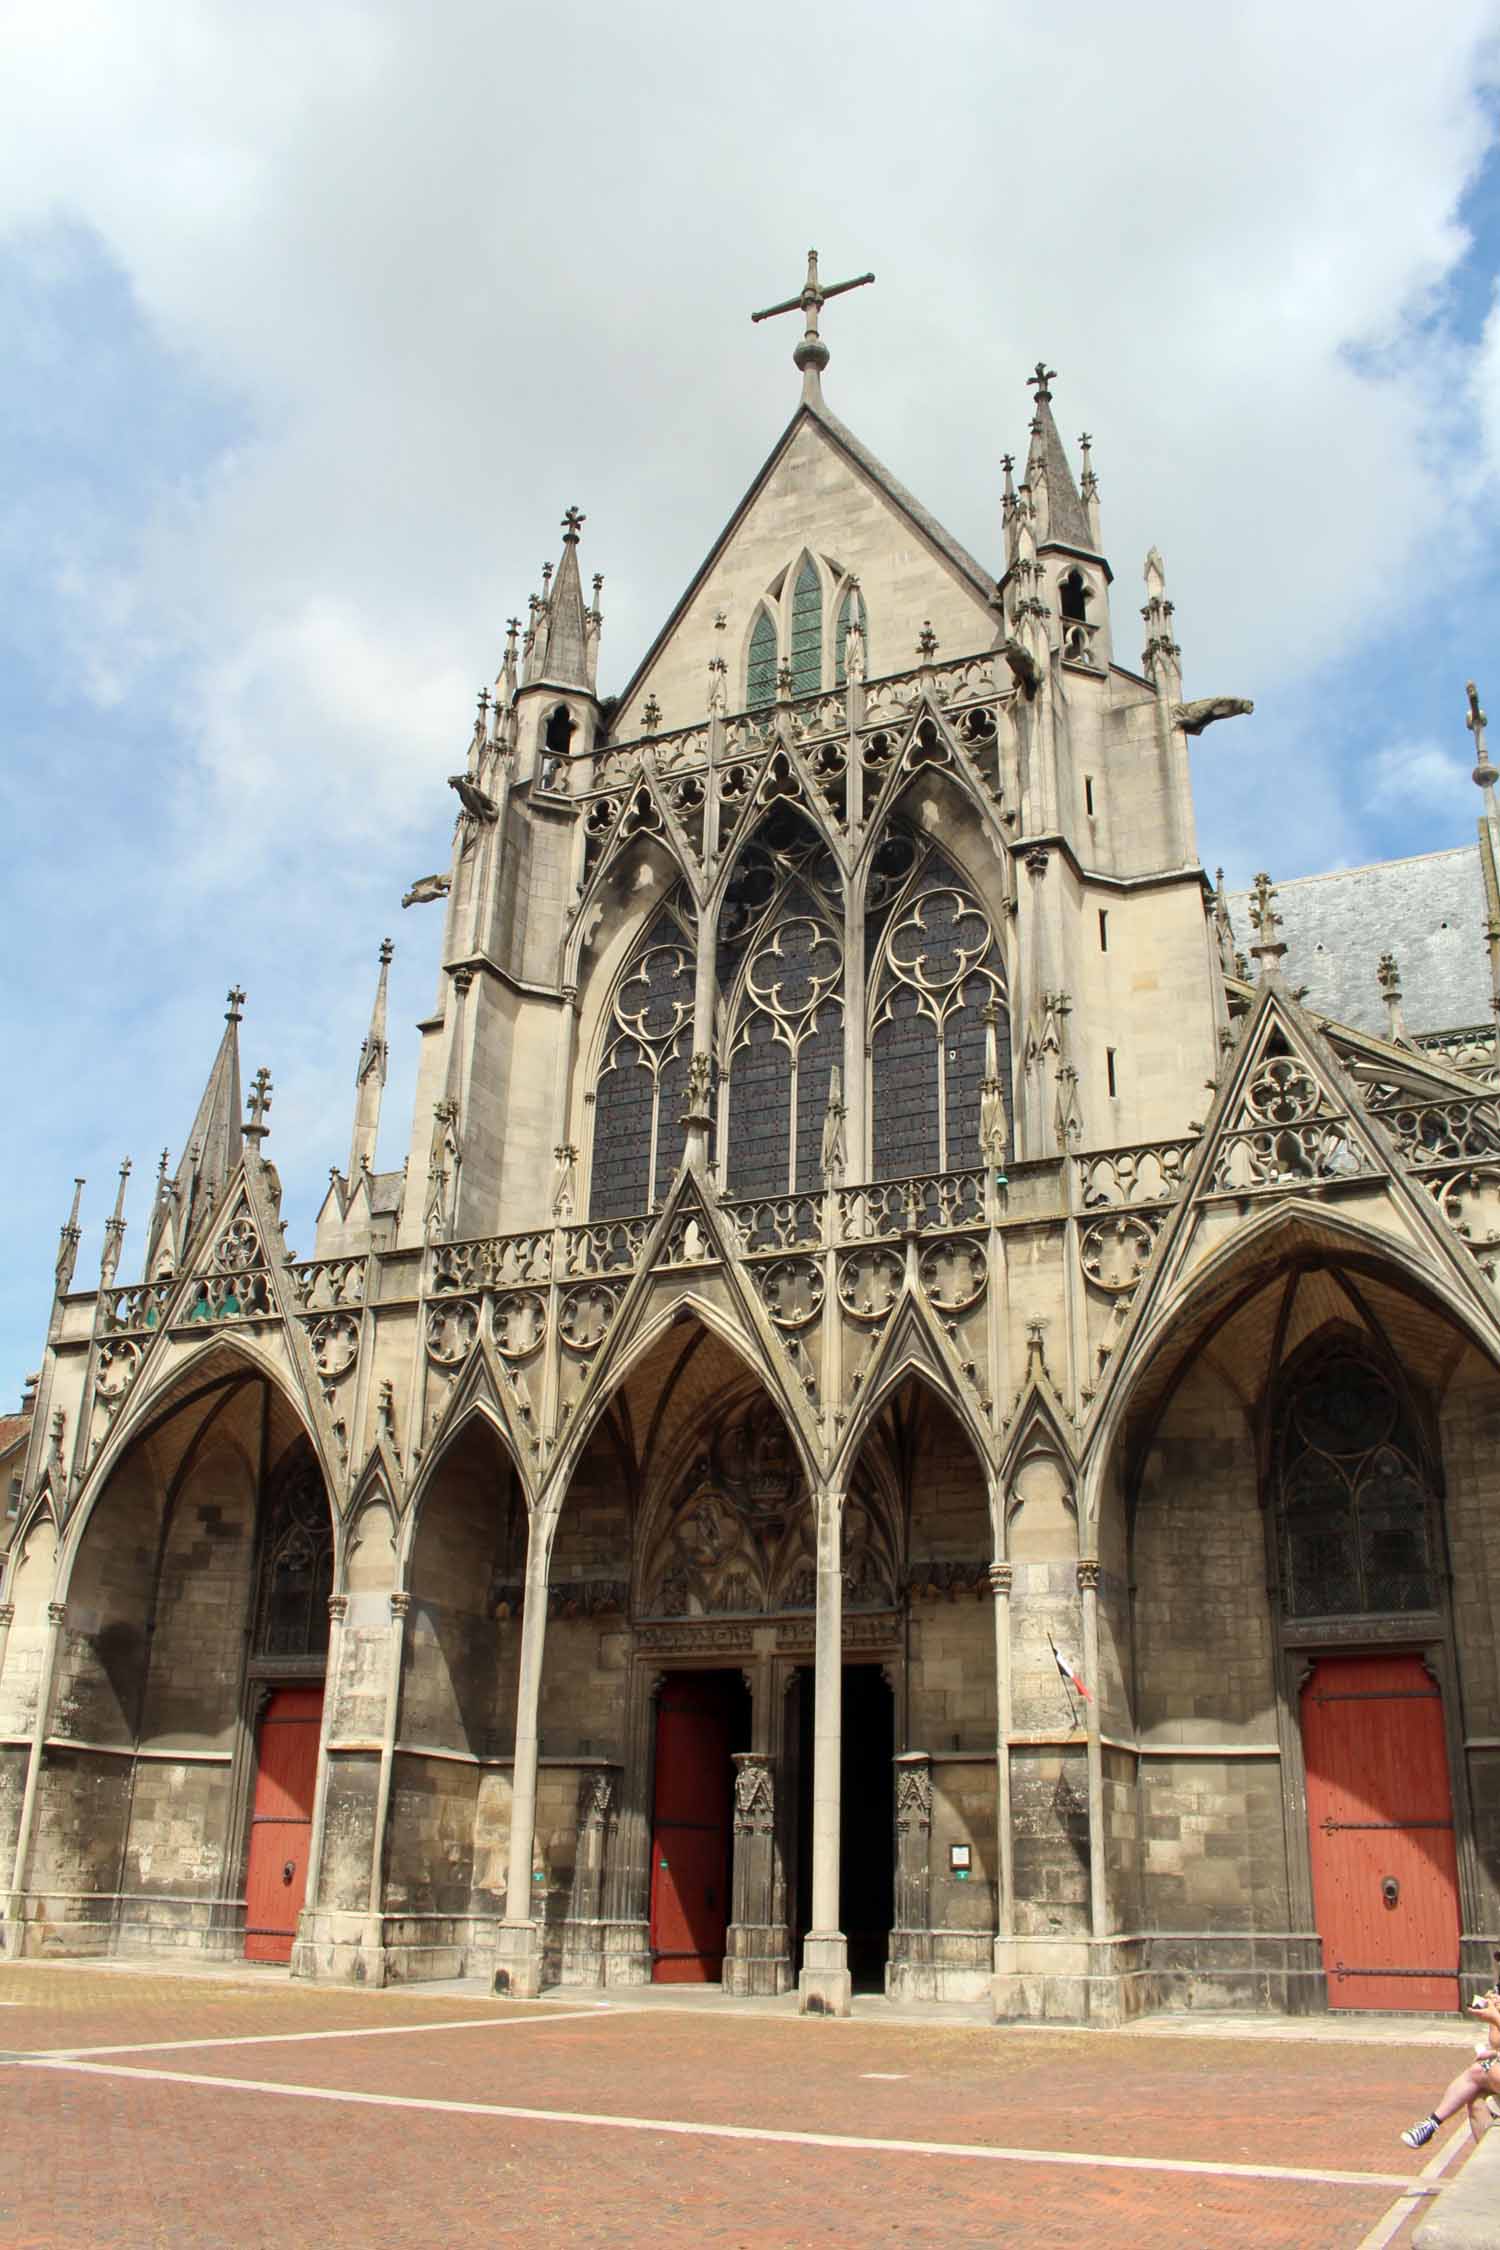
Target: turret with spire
{"type": "Point", "coordinates": [556, 706]}
{"type": "Point", "coordinates": [1055, 568]}
{"type": "Point", "coordinates": [214, 1147]}
{"type": "Point", "coordinates": [369, 1078]}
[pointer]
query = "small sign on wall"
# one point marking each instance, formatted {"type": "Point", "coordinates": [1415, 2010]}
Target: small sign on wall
{"type": "Point", "coordinates": [959, 1861]}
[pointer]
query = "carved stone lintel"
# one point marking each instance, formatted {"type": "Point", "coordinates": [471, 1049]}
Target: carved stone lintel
{"type": "Point", "coordinates": [1088, 1574]}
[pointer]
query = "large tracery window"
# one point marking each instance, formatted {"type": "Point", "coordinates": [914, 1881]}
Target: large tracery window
{"type": "Point", "coordinates": [1354, 1508]}
{"type": "Point", "coordinates": [781, 974]}
{"type": "Point", "coordinates": [296, 1564]}
{"type": "Point", "coordinates": [934, 964]}
{"type": "Point", "coordinates": [641, 1090]}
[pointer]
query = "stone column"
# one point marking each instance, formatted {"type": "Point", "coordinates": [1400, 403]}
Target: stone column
{"type": "Point", "coordinates": [825, 1987]}
{"type": "Point", "coordinates": [583, 1931]}
{"type": "Point", "coordinates": [15, 1915]}
{"type": "Point", "coordinates": [757, 1956]}
{"type": "Point", "coordinates": [338, 1610]}
{"type": "Point", "coordinates": [518, 1941]}
{"type": "Point", "coordinates": [1088, 1587]}
{"type": "Point", "coordinates": [627, 1878]}
{"type": "Point", "coordinates": [1002, 1987]}
{"type": "Point", "coordinates": [910, 1974]}
{"type": "Point", "coordinates": [396, 1641]}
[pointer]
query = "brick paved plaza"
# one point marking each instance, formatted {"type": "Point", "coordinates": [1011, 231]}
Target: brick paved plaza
{"type": "Point", "coordinates": [200, 2110]}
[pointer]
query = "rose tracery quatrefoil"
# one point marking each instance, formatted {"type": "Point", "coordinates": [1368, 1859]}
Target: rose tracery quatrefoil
{"type": "Point", "coordinates": [1471, 1205]}
{"type": "Point", "coordinates": [585, 1318]}
{"type": "Point", "coordinates": [118, 1365]}
{"type": "Point", "coordinates": [793, 1290]}
{"type": "Point", "coordinates": [953, 1275]}
{"type": "Point", "coordinates": [451, 1329]}
{"type": "Point", "coordinates": [870, 1283]}
{"type": "Point", "coordinates": [520, 1324]}
{"type": "Point", "coordinates": [239, 1248]}
{"type": "Point", "coordinates": [335, 1345]}
{"type": "Point", "coordinates": [1282, 1091]}
{"type": "Point", "coordinates": [1115, 1252]}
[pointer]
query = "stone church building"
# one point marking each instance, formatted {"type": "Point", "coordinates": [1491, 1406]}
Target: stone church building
{"type": "Point", "coordinates": [924, 1410]}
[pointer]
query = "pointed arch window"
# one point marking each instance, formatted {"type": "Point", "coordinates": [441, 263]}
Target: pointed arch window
{"type": "Point", "coordinates": [781, 969]}
{"type": "Point", "coordinates": [642, 1085]}
{"type": "Point", "coordinates": [851, 610]}
{"type": "Point", "coordinates": [935, 966]}
{"type": "Point", "coordinates": [760, 678]}
{"type": "Point", "coordinates": [807, 630]}
{"type": "Point", "coordinates": [1354, 1505]}
{"type": "Point", "coordinates": [296, 1560]}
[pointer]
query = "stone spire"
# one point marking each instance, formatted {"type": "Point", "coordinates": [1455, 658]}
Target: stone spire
{"type": "Point", "coordinates": [114, 1233]}
{"type": "Point", "coordinates": [70, 1236]}
{"type": "Point", "coordinates": [565, 660]}
{"type": "Point", "coordinates": [369, 1078]}
{"type": "Point", "coordinates": [214, 1147]}
{"type": "Point", "coordinates": [1062, 519]}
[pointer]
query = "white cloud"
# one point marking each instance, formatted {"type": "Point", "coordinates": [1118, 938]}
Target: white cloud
{"type": "Point", "coordinates": [455, 268]}
{"type": "Point", "coordinates": [1417, 777]}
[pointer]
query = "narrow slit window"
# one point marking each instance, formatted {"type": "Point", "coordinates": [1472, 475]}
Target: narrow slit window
{"type": "Point", "coordinates": [1088, 795]}
{"type": "Point", "coordinates": [1103, 931]}
{"type": "Point", "coordinates": [1109, 1071]}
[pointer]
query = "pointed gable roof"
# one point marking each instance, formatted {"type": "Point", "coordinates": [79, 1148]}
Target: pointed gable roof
{"type": "Point", "coordinates": [812, 414]}
{"type": "Point", "coordinates": [566, 660]}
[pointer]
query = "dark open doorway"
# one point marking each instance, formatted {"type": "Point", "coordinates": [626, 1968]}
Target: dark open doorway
{"type": "Point", "coordinates": [867, 1891]}
{"type": "Point", "coordinates": [702, 1718]}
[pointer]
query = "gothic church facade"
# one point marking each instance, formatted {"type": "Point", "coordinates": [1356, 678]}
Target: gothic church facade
{"type": "Point", "coordinates": [919, 1414]}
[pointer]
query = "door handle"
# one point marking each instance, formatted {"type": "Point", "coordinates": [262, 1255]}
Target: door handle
{"type": "Point", "coordinates": [288, 1870]}
{"type": "Point", "coordinates": [1390, 1891]}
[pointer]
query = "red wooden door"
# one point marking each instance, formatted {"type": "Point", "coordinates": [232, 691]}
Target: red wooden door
{"type": "Point", "coordinates": [281, 1821]}
{"type": "Point", "coordinates": [690, 1842]}
{"type": "Point", "coordinates": [1380, 1817]}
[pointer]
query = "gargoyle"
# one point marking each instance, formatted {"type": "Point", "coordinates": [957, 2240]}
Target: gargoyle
{"type": "Point", "coordinates": [426, 888]}
{"type": "Point", "coordinates": [1194, 717]}
{"type": "Point", "coordinates": [1024, 667]}
{"type": "Point", "coordinates": [473, 799]}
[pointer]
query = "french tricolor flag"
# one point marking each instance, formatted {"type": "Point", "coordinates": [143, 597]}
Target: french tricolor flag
{"type": "Point", "coordinates": [1072, 1676]}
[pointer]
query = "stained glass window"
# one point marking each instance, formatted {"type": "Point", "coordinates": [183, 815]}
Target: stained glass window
{"type": "Point", "coordinates": [781, 972]}
{"type": "Point", "coordinates": [807, 631]}
{"type": "Point", "coordinates": [1354, 1508]}
{"type": "Point", "coordinates": [760, 681]}
{"type": "Point", "coordinates": [296, 1565]}
{"type": "Point", "coordinates": [642, 1084]}
{"type": "Point", "coordinates": [935, 968]}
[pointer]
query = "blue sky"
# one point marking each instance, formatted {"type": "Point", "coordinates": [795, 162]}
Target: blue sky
{"type": "Point", "coordinates": [315, 327]}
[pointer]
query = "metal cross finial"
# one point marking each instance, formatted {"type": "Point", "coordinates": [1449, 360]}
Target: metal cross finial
{"type": "Point", "coordinates": [1484, 773]}
{"type": "Point", "coordinates": [236, 1002]}
{"type": "Point", "coordinates": [1040, 380]}
{"type": "Point", "coordinates": [572, 523]}
{"type": "Point", "coordinates": [260, 1099]}
{"type": "Point", "coordinates": [811, 354]}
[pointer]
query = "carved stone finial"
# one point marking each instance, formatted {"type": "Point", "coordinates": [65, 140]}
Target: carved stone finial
{"type": "Point", "coordinates": [927, 642]}
{"type": "Point", "coordinates": [651, 715]}
{"type": "Point", "coordinates": [1040, 380]}
{"type": "Point", "coordinates": [572, 523]}
{"type": "Point", "coordinates": [236, 1003]}
{"type": "Point", "coordinates": [260, 1103]}
{"type": "Point", "coordinates": [71, 1234]}
{"type": "Point", "coordinates": [1269, 948]}
{"type": "Point", "coordinates": [1485, 775]}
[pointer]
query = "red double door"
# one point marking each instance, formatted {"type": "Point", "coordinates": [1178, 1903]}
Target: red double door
{"type": "Point", "coordinates": [281, 1821]}
{"type": "Point", "coordinates": [1380, 1820]}
{"type": "Point", "coordinates": [691, 1839]}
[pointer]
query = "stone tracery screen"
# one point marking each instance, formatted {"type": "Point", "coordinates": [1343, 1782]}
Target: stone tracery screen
{"type": "Point", "coordinates": [641, 1089]}
{"type": "Point", "coordinates": [1354, 1509]}
{"type": "Point", "coordinates": [934, 963]}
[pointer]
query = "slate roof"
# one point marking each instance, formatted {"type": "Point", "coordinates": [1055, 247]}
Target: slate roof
{"type": "Point", "coordinates": [1429, 911]}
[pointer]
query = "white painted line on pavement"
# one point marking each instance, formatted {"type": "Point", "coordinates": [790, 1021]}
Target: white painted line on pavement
{"type": "Point", "coordinates": [294, 2038]}
{"type": "Point", "coordinates": [682, 2128]}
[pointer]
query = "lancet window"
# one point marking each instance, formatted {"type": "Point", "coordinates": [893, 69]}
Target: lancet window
{"type": "Point", "coordinates": [760, 678]}
{"type": "Point", "coordinates": [1354, 1505]}
{"type": "Point", "coordinates": [641, 1090]}
{"type": "Point", "coordinates": [807, 630]}
{"type": "Point", "coordinates": [296, 1564]}
{"type": "Point", "coordinates": [934, 966]}
{"type": "Point", "coordinates": [781, 979]}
